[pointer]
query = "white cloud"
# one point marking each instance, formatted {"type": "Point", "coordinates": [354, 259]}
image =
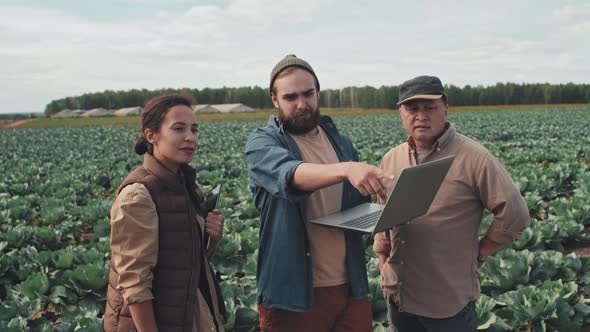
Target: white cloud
{"type": "Point", "coordinates": [573, 20]}
{"type": "Point", "coordinates": [48, 54]}
{"type": "Point", "coordinates": [53, 54]}
{"type": "Point", "coordinates": [481, 61]}
{"type": "Point", "coordinates": [572, 13]}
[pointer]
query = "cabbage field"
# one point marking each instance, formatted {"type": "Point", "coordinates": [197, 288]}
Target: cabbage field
{"type": "Point", "coordinates": [56, 189]}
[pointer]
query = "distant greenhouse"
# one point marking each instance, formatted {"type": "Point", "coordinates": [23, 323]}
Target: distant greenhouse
{"type": "Point", "coordinates": [128, 111]}
{"type": "Point", "coordinates": [96, 112]}
{"type": "Point", "coordinates": [68, 114]}
{"type": "Point", "coordinates": [134, 111]}
{"type": "Point", "coordinates": [222, 108]}
{"type": "Point", "coordinates": [205, 108]}
{"type": "Point", "coordinates": [233, 108]}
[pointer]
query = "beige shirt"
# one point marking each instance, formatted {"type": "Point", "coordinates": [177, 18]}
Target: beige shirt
{"type": "Point", "coordinates": [432, 265]}
{"type": "Point", "coordinates": [134, 250]}
{"type": "Point", "coordinates": [327, 244]}
{"type": "Point", "coordinates": [421, 154]}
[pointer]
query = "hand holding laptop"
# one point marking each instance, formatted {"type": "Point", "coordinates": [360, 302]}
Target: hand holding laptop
{"type": "Point", "coordinates": [414, 191]}
{"type": "Point", "coordinates": [388, 183]}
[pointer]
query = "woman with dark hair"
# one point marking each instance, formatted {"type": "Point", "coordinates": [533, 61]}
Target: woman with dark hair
{"type": "Point", "coordinates": [160, 277]}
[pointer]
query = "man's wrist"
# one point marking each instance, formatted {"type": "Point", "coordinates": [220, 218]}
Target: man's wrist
{"type": "Point", "coordinates": [344, 171]}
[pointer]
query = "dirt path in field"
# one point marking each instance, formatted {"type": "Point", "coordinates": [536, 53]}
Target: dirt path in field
{"type": "Point", "coordinates": [582, 251]}
{"type": "Point", "coordinates": [15, 124]}
{"type": "Point", "coordinates": [580, 247]}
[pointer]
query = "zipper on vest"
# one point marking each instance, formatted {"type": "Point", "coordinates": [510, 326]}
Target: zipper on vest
{"type": "Point", "coordinates": [192, 291]}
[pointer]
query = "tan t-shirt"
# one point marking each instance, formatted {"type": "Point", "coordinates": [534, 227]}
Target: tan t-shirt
{"type": "Point", "coordinates": [328, 250]}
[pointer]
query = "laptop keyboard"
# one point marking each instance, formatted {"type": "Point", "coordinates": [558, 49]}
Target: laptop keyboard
{"type": "Point", "coordinates": [365, 221]}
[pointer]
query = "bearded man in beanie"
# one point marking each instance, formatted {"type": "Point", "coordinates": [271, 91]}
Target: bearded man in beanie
{"type": "Point", "coordinates": [309, 277]}
{"type": "Point", "coordinates": [429, 265]}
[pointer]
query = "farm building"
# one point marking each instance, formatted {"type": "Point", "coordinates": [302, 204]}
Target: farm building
{"type": "Point", "coordinates": [97, 112]}
{"type": "Point", "coordinates": [222, 108]}
{"type": "Point", "coordinates": [233, 108]}
{"type": "Point", "coordinates": [128, 111]}
{"type": "Point", "coordinates": [68, 114]}
{"type": "Point", "coordinates": [205, 108]}
{"type": "Point", "coordinates": [63, 114]}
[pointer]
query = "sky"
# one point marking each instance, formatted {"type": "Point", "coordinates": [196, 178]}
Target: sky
{"type": "Point", "coordinates": [59, 48]}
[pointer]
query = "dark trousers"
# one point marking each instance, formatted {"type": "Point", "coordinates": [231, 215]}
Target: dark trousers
{"type": "Point", "coordinates": [464, 321]}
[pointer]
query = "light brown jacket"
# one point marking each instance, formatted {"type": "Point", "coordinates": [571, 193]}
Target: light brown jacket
{"type": "Point", "coordinates": [432, 265]}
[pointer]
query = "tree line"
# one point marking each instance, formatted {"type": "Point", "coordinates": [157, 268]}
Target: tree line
{"type": "Point", "coordinates": [384, 97]}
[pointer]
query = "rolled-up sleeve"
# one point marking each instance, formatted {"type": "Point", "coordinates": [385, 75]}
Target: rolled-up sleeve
{"type": "Point", "coordinates": [134, 242]}
{"type": "Point", "coordinates": [382, 243]}
{"type": "Point", "coordinates": [272, 166]}
{"type": "Point", "coordinates": [500, 195]}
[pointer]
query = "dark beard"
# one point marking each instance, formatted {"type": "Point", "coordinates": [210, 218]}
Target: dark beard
{"type": "Point", "coordinates": [298, 126]}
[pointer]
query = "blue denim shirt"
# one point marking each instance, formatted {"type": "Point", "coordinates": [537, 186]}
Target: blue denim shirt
{"type": "Point", "coordinates": [284, 271]}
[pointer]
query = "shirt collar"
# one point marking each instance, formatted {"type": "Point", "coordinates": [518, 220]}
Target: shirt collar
{"type": "Point", "coordinates": [175, 182]}
{"type": "Point", "coordinates": [441, 142]}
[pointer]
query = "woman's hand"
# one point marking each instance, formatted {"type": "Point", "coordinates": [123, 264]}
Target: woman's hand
{"type": "Point", "coordinates": [143, 316]}
{"type": "Point", "coordinates": [214, 225]}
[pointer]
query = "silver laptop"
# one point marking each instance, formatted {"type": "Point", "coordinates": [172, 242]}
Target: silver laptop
{"type": "Point", "coordinates": [411, 197]}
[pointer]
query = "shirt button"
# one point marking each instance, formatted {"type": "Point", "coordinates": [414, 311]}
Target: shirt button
{"type": "Point", "coordinates": [402, 262]}
{"type": "Point", "coordinates": [308, 254]}
{"type": "Point", "coordinates": [403, 241]}
{"type": "Point", "coordinates": [400, 283]}
{"type": "Point", "coordinates": [438, 149]}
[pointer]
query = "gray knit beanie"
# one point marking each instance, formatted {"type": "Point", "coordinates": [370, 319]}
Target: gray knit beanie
{"type": "Point", "coordinates": [291, 61]}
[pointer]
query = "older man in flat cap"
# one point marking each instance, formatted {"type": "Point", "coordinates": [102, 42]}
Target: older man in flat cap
{"type": "Point", "coordinates": [429, 265]}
